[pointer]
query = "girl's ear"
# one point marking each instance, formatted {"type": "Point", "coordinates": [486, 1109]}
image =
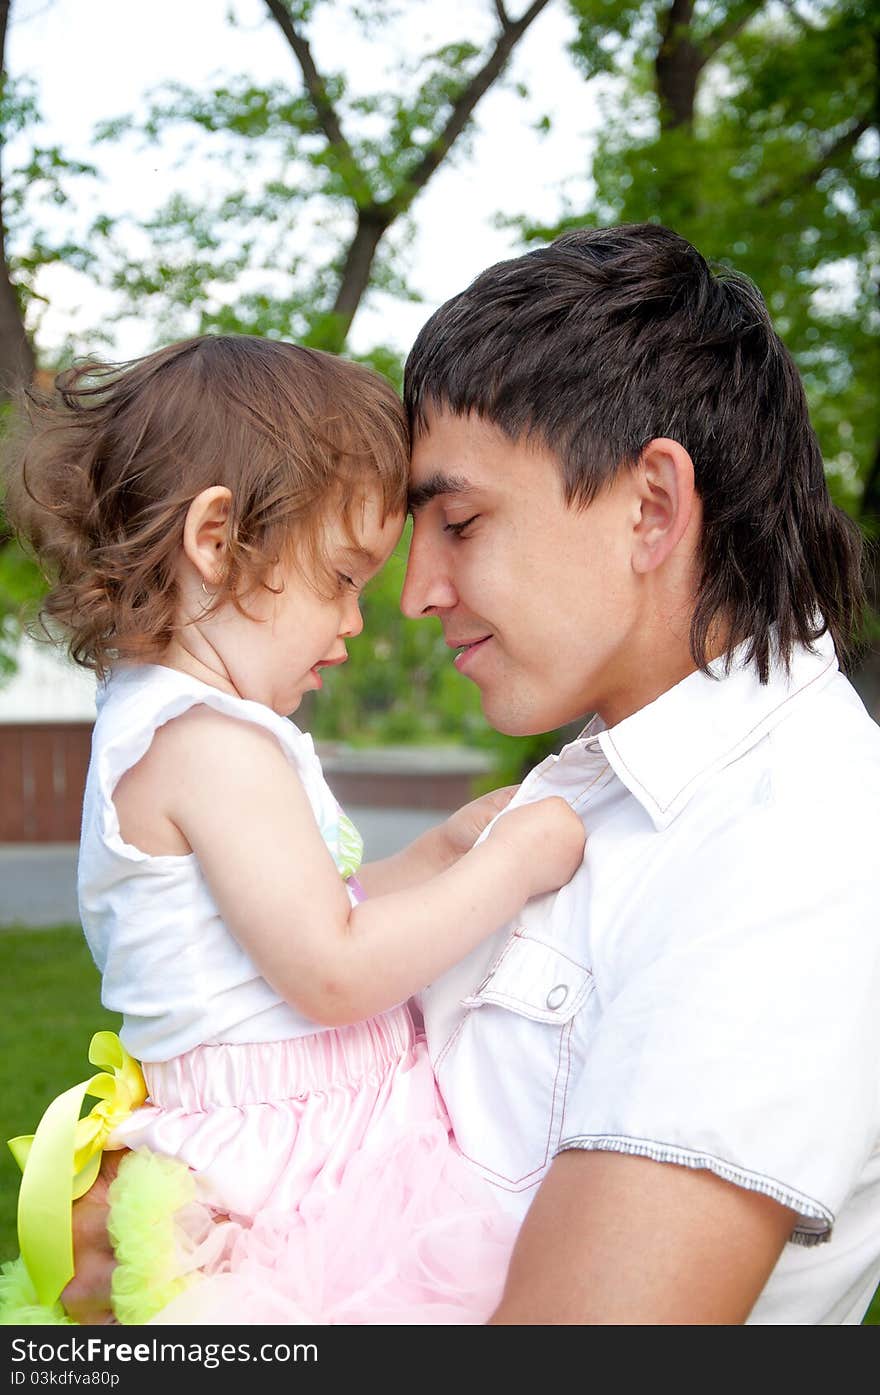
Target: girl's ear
{"type": "Point", "coordinates": [206, 533]}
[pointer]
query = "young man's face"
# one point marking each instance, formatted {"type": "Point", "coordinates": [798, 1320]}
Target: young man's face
{"type": "Point", "coordinates": [542, 595]}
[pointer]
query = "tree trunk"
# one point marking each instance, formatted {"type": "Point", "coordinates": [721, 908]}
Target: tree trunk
{"type": "Point", "coordinates": [677, 68]}
{"type": "Point", "coordinates": [371, 227]}
{"type": "Point", "coordinates": [17, 361]}
{"type": "Point", "coordinates": [16, 355]}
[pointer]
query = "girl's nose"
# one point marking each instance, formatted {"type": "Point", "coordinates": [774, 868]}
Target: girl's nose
{"type": "Point", "coordinates": [353, 621]}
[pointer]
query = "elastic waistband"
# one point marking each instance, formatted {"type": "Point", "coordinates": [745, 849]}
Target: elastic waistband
{"type": "Point", "coordinates": [230, 1073]}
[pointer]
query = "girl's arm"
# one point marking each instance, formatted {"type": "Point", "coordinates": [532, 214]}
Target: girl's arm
{"type": "Point", "coordinates": [437, 848]}
{"type": "Point", "coordinates": [239, 805]}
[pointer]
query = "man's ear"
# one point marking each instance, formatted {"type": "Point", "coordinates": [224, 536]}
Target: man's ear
{"type": "Point", "coordinates": [206, 533]}
{"type": "Point", "coordinates": [665, 482]}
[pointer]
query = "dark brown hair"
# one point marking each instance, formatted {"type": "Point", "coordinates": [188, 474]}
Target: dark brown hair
{"type": "Point", "coordinates": [610, 337]}
{"type": "Point", "coordinates": [99, 477]}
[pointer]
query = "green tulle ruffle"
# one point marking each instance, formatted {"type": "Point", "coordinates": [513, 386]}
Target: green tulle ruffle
{"type": "Point", "coordinates": [145, 1197]}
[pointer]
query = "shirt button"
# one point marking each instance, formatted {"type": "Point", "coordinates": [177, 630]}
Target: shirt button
{"type": "Point", "coordinates": [557, 996]}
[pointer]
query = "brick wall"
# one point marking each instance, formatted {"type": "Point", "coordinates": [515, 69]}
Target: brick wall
{"type": "Point", "coordinates": [43, 772]}
{"type": "Point", "coordinates": [42, 778]}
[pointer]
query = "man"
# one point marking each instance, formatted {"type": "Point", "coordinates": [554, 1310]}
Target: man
{"type": "Point", "coordinates": [670, 1068]}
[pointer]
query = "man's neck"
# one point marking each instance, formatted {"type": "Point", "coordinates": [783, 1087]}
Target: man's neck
{"type": "Point", "coordinates": [659, 663]}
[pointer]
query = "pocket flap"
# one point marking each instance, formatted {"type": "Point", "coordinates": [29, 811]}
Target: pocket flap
{"type": "Point", "coordinates": [535, 980]}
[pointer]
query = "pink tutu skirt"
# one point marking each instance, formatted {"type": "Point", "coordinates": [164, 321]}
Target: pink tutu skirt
{"type": "Point", "coordinates": [328, 1185]}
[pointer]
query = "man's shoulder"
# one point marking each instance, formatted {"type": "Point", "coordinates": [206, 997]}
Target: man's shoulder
{"type": "Point", "coordinates": [827, 747]}
{"type": "Point", "coordinates": [812, 781]}
{"type": "Point", "coordinates": [791, 817]}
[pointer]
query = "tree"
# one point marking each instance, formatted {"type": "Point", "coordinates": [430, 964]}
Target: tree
{"type": "Point", "coordinates": [314, 182]}
{"type": "Point", "coordinates": [24, 249]}
{"type": "Point", "coordinates": [16, 354]}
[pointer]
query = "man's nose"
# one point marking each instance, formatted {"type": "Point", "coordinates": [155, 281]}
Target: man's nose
{"type": "Point", "coordinates": [428, 586]}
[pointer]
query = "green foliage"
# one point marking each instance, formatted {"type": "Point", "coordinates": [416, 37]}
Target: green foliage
{"type": "Point", "coordinates": [776, 175]}
{"type": "Point", "coordinates": [21, 586]}
{"type": "Point", "coordinates": [608, 32]}
{"type": "Point", "coordinates": [32, 183]}
{"type": "Point", "coordinates": [258, 240]}
{"type": "Point", "coordinates": [21, 583]}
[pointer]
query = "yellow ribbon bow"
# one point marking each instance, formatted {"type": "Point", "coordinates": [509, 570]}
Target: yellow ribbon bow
{"type": "Point", "coordinates": [62, 1159]}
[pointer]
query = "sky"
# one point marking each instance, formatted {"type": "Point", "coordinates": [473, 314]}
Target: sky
{"type": "Point", "coordinates": [94, 61]}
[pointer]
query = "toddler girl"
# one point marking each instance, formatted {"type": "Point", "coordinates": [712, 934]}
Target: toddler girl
{"type": "Point", "coordinates": [211, 515]}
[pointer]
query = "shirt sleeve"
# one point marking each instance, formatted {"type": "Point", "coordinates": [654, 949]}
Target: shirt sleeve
{"type": "Point", "coordinates": [745, 1038]}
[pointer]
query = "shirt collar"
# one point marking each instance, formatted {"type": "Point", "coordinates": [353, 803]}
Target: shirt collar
{"type": "Point", "coordinates": [667, 750]}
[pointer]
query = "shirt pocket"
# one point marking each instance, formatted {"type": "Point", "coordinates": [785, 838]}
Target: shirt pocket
{"type": "Point", "coordinates": [505, 1071]}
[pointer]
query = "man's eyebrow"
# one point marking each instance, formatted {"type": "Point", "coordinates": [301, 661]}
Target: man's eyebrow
{"type": "Point", "coordinates": [438, 483]}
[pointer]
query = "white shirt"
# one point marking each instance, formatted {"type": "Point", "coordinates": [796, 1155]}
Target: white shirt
{"type": "Point", "coordinates": [168, 962]}
{"type": "Point", "coordinates": [706, 989]}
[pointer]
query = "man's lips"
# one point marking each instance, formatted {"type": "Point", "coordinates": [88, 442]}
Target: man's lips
{"type": "Point", "coordinates": [469, 649]}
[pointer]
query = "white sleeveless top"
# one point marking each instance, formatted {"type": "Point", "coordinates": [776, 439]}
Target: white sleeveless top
{"type": "Point", "coordinates": [168, 963]}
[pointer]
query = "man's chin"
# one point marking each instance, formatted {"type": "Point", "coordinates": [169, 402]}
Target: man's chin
{"type": "Point", "coordinates": [515, 722]}
{"type": "Point", "coordinates": [528, 718]}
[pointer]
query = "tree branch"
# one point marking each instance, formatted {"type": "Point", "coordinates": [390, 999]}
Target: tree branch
{"type": "Point", "coordinates": [677, 67]}
{"type": "Point", "coordinates": [374, 218]}
{"type": "Point", "coordinates": [463, 107]}
{"type": "Point", "coordinates": [325, 111]}
{"type": "Point", "coordinates": [827, 160]}
{"type": "Point", "coordinates": [800, 20]}
{"type": "Point", "coordinates": [737, 19]}
{"type": "Point", "coordinates": [4, 21]}
{"type": "Point", "coordinates": [681, 56]}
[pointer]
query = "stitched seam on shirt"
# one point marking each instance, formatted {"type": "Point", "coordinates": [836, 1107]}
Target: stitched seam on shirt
{"type": "Point", "coordinates": [562, 1042]}
{"type": "Point", "coordinates": [548, 944]}
{"type": "Point", "coordinates": [444, 1050]}
{"type": "Point", "coordinates": [507, 1000]}
{"type": "Point", "coordinates": [686, 1157]}
{"type": "Point", "coordinates": [456, 1032]}
{"type": "Point", "coordinates": [520, 1183]}
{"type": "Point", "coordinates": [567, 1074]}
{"type": "Point", "coordinates": [700, 773]}
{"type": "Point", "coordinates": [606, 769]}
{"type": "Point", "coordinates": [507, 1184]}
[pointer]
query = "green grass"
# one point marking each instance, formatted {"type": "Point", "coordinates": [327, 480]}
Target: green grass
{"type": "Point", "coordinates": [52, 1009]}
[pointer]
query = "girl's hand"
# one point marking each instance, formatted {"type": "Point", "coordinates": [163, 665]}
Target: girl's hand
{"type": "Point", "coordinates": [463, 828]}
{"type": "Point", "coordinates": [546, 840]}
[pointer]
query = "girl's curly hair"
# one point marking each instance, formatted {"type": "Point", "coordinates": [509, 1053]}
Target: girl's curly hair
{"type": "Point", "coordinates": [99, 476]}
